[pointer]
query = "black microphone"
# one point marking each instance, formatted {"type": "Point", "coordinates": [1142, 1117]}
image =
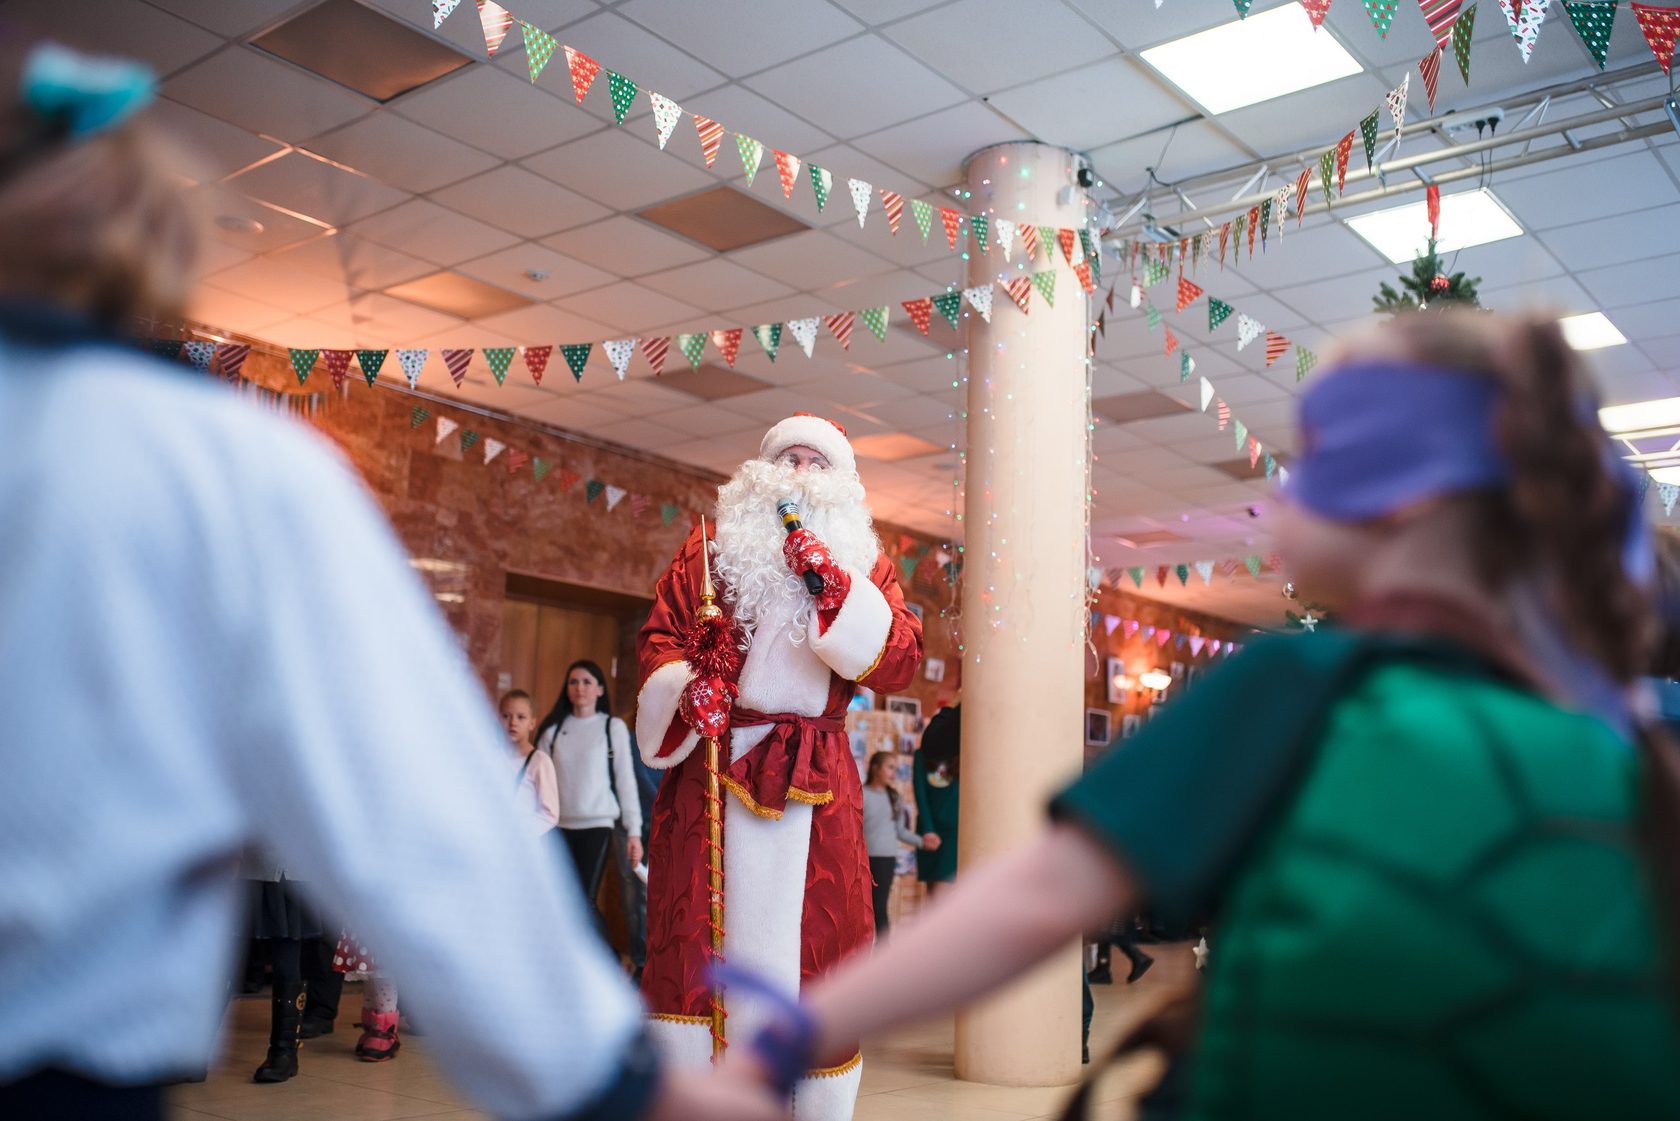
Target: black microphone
{"type": "Point", "coordinates": [790, 522]}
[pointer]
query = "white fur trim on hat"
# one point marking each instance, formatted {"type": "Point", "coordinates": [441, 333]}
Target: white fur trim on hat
{"type": "Point", "coordinates": [812, 432]}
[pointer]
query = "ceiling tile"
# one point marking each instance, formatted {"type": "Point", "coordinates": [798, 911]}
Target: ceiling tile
{"type": "Point", "coordinates": [780, 30]}
{"type": "Point", "coordinates": [633, 51]}
{"type": "Point", "coordinates": [626, 245]}
{"type": "Point", "coordinates": [1308, 253]}
{"type": "Point", "coordinates": [1546, 201]}
{"type": "Point", "coordinates": [355, 262]}
{"type": "Point", "coordinates": [432, 232]}
{"type": "Point", "coordinates": [508, 268]}
{"type": "Point", "coordinates": [1636, 282]}
{"type": "Point", "coordinates": [497, 111]}
{"type": "Point", "coordinates": [1561, 294]}
{"type": "Point", "coordinates": [1053, 39]}
{"type": "Point", "coordinates": [814, 259]}
{"type": "Point", "coordinates": [878, 12]}
{"type": "Point", "coordinates": [1051, 108]}
{"type": "Point", "coordinates": [629, 307]}
{"type": "Point", "coordinates": [220, 309]}
{"type": "Point", "coordinates": [285, 286]}
{"type": "Point", "coordinates": [543, 324]}
{"type": "Point", "coordinates": [218, 147]}
{"type": "Point", "coordinates": [710, 421]}
{"type": "Point", "coordinates": [518, 200]}
{"type": "Point", "coordinates": [250, 89]}
{"type": "Point", "coordinates": [215, 255]}
{"type": "Point", "coordinates": [740, 110]}
{"type": "Point", "coordinates": [1306, 120]}
{"type": "Point", "coordinates": [897, 87]}
{"type": "Point", "coordinates": [648, 435]}
{"type": "Point", "coordinates": [279, 229]}
{"type": "Point", "coordinates": [616, 168]}
{"type": "Point", "coordinates": [933, 148]}
{"type": "Point", "coordinates": [1625, 237]}
{"type": "Point", "coordinates": [1341, 298]}
{"type": "Point", "coordinates": [230, 18]}
{"type": "Point", "coordinates": [126, 28]}
{"type": "Point", "coordinates": [397, 151]}
{"type": "Point", "coordinates": [715, 285]}
{"type": "Point", "coordinates": [316, 189]}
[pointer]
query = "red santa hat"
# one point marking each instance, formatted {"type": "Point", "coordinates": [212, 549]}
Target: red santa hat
{"type": "Point", "coordinates": [814, 432]}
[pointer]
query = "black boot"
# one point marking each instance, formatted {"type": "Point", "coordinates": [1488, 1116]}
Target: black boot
{"type": "Point", "coordinates": [281, 1063]}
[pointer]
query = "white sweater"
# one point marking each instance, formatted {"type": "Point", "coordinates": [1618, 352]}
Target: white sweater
{"type": "Point", "coordinates": [579, 754]}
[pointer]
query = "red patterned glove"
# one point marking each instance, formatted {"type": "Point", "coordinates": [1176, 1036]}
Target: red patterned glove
{"type": "Point", "coordinates": [705, 706]}
{"type": "Point", "coordinates": [805, 552]}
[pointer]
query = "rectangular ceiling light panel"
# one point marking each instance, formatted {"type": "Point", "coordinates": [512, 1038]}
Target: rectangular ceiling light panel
{"type": "Point", "coordinates": [1468, 218]}
{"type": "Point", "coordinates": [1592, 331]}
{"type": "Point", "coordinates": [1251, 60]}
{"type": "Point", "coordinates": [723, 218]}
{"type": "Point", "coordinates": [361, 49]}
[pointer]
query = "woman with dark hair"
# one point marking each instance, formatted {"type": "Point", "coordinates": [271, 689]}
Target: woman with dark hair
{"type": "Point", "coordinates": [935, 777]}
{"type": "Point", "coordinates": [590, 748]}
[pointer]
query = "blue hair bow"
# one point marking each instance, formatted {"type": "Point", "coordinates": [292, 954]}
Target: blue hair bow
{"type": "Point", "coordinates": [82, 94]}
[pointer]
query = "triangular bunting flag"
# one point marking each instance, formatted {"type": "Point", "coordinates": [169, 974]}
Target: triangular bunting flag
{"type": "Point", "coordinates": [1218, 312]}
{"type": "Point", "coordinates": [1186, 366]}
{"type": "Point", "coordinates": [1463, 32]}
{"type": "Point", "coordinates": [1301, 185]}
{"type": "Point", "coordinates": [499, 358]}
{"type": "Point", "coordinates": [1661, 27]}
{"type": "Point", "coordinates": [569, 479]}
{"type": "Point", "coordinates": [623, 92]}
{"type": "Point", "coordinates": [615, 495]}
{"type": "Point", "coordinates": [1172, 341]}
{"type": "Point", "coordinates": [1240, 430]}
{"type": "Point", "coordinates": [861, 192]}
{"type": "Point", "coordinates": [923, 214]}
{"type": "Point", "coordinates": [338, 365]}
{"type": "Point", "coordinates": [1003, 234]}
{"type": "Point", "coordinates": [539, 49]}
{"type": "Point", "coordinates": [1020, 290]}
{"type": "Point", "coordinates": [948, 304]}
{"type": "Point", "coordinates": [655, 350]}
{"type": "Point", "coordinates": [693, 347]}
{"type": "Point", "coordinates": [1082, 272]}
{"type": "Point", "coordinates": [1188, 293]}
{"type": "Point", "coordinates": [1029, 240]}
{"type": "Point", "coordinates": [875, 318]}
{"type": "Point", "coordinates": [1045, 282]}
{"type": "Point", "coordinates": [1253, 453]}
{"type": "Point", "coordinates": [1344, 148]}
{"type": "Point", "coordinates": [1204, 569]}
{"type": "Point", "coordinates": [536, 361]}
{"type": "Point", "coordinates": [952, 221]}
{"type": "Point", "coordinates": [893, 203]}
{"type": "Point", "coordinates": [1397, 102]}
{"type": "Point", "coordinates": [1326, 171]}
{"type": "Point", "coordinates": [577, 357]}
{"type": "Point", "coordinates": [1440, 15]}
{"type": "Point", "coordinates": [1152, 316]}
{"type": "Point", "coordinates": [1271, 465]}
{"type": "Point", "coordinates": [1382, 14]}
{"type": "Point", "coordinates": [492, 448]}
{"type": "Point", "coordinates": [497, 21]}
{"type": "Point", "coordinates": [1368, 133]}
{"type": "Point", "coordinates": [1304, 361]}
{"type": "Point", "coordinates": [804, 333]}
{"type": "Point", "coordinates": [303, 361]}
{"type": "Point", "coordinates": [418, 416]}
{"type": "Point", "coordinates": [752, 153]}
{"type": "Point", "coordinates": [618, 352]}
{"type": "Point", "coordinates": [1207, 394]}
{"type": "Point", "coordinates": [1276, 344]}
{"type": "Point", "coordinates": [445, 427]}
{"type": "Point", "coordinates": [167, 349]}
{"type": "Point", "coordinates": [1183, 573]}
{"type": "Point", "coordinates": [540, 468]}
{"type": "Point", "coordinates": [456, 362]}
{"type": "Point", "coordinates": [666, 114]}
{"type": "Point", "coordinates": [1224, 412]}
{"type": "Point", "coordinates": [1047, 236]}
{"type": "Point", "coordinates": [787, 169]}
{"type": "Point", "coordinates": [231, 358]}
{"type": "Point", "coordinates": [980, 299]}
{"type": "Point", "coordinates": [769, 336]}
{"type": "Point", "coordinates": [593, 489]}
{"type": "Point", "coordinates": [1525, 22]}
{"type": "Point", "coordinates": [1137, 578]}
{"type": "Point", "coordinates": [517, 460]}
{"type": "Point", "coordinates": [841, 325]}
{"type": "Point", "coordinates": [822, 182]}
{"type": "Point", "coordinates": [1593, 22]}
{"type": "Point", "coordinates": [1064, 238]}
{"type": "Point", "coordinates": [1668, 492]}
{"type": "Point", "coordinates": [584, 71]}
{"type": "Point", "coordinates": [1316, 11]}
{"type": "Point", "coordinates": [1248, 329]}
{"type": "Point", "coordinates": [441, 10]}
{"type": "Point", "coordinates": [200, 354]}
{"type": "Point", "coordinates": [668, 513]}
{"type": "Point", "coordinates": [728, 344]}
{"type": "Point", "coordinates": [1252, 564]}
{"type": "Point", "coordinates": [1242, 7]}
{"type": "Point", "coordinates": [920, 312]}
{"type": "Point", "coordinates": [412, 362]}
{"type": "Point", "coordinates": [711, 137]}
{"type": "Point", "coordinates": [978, 224]}
{"type": "Point", "coordinates": [468, 439]}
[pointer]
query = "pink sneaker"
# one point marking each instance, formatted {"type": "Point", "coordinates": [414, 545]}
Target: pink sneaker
{"type": "Point", "coordinates": [379, 1041]}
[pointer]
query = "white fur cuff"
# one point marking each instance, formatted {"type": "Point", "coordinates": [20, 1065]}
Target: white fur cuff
{"type": "Point", "coordinates": [656, 708]}
{"type": "Point", "coordinates": [854, 641]}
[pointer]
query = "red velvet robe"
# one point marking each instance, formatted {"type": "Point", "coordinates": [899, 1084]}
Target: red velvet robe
{"type": "Point", "coordinates": [800, 760]}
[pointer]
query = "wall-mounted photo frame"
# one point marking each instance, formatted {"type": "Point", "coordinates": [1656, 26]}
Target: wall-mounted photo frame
{"type": "Point", "coordinates": [907, 744]}
{"type": "Point", "coordinates": [1117, 690]}
{"type": "Point", "coordinates": [1097, 727]}
{"type": "Point", "coordinates": [905, 706]}
{"type": "Point", "coordinates": [1129, 726]}
{"type": "Point", "coordinates": [934, 669]}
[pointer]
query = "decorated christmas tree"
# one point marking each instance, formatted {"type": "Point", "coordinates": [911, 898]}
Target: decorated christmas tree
{"type": "Point", "coordinates": [1428, 287]}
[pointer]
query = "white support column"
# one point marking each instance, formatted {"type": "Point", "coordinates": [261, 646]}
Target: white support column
{"type": "Point", "coordinates": [1024, 612]}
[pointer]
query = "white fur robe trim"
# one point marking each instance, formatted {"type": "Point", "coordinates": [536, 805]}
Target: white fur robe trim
{"type": "Point", "coordinates": [656, 707]}
{"type": "Point", "coordinates": [854, 641]}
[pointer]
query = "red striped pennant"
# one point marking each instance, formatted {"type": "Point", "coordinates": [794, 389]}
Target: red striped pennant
{"type": "Point", "coordinates": [232, 357]}
{"type": "Point", "coordinates": [1065, 238]}
{"type": "Point", "coordinates": [841, 325]}
{"type": "Point", "coordinates": [1253, 226]}
{"type": "Point", "coordinates": [584, 71]}
{"type": "Point", "coordinates": [1224, 415]}
{"type": "Point", "coordinates": [1431, 70]}
{"type": "Point", "coordinates": [654, 350]}
{"type": "Point", "coordinates": [516, 460]}
{"type": "Point", "coordinates": [1253, 452]}
{"type": "Point", "coordinates": [338, 365]}
{"type": "Point", "coordinates": [1228, 567]}
{"type": "Point", "coordinates": [1441, 15]}
{"type": "Point", "coordinates": [457, 361]}
{"type": "Point", "coordinates": [952, 222]}
{"type": "Point", "coordinates": [1276, 344]}
{"type": "Point", "coordinates": [536, 361]}
{"type": "Point", "coordinates": [1224, 237]}
{"type": "Point", "coordinates": [1020, 290]}
{"type": "Point", "coordinates": [1301, 193]}
{"type": "Point", "coordinates": [711, 135]}
{"type": "Point", "coordinates": [1188, 293]}
{"type": "Point", "coordinates": [894, 204]}
{"type": "Point", "coordinates": [728, 344]}
{"type": "Point", "coordinates": [497, 21]}
{"type": "Point", "coordinates": [1029, 238]}
{"type": "Point", "coordinates": [921, 312]}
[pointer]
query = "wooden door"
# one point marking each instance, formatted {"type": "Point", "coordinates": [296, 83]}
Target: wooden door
{"type": "Point", "coordinates": [539, 640]}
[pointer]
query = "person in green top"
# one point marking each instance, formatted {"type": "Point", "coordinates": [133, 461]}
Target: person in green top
{"type": "Point", "coordinates": [1438, 845]}
{"type": "Point", "coordinates": [936, 776]}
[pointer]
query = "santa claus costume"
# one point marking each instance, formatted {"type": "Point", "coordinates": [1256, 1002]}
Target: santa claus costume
{"type": "Point", "coordinates": [796, 872]}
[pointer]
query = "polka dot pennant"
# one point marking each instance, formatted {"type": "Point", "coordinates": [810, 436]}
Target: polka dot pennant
{"type": "Point", "coordinates": [445, 429]}
{"type": "Point", "coordinates": [1242, 7]}
{"type": "Point", "coordinates": [1238, 226]}
{"type": "Point", "coordinates": [875, 318]}
{"type": "Point", "coordinates": [1304, 361]}
{"type": "Point", "coordinates": [497, 21]}
{"type": "Point", "coordinates": [1045, 282]}
{"type": "Point", "coordinates": [539, 49]}
{"type": "Point", "coordinates": [302, 362]}
{"type": "Point", "coordinates": [1382, 14]}
{"type": "Point", "coordinates": [1463, 31]}
{"type": "Point", "coordinates": [1661, 27]}
{"type": "Point", "coordinates": [499, 358]}
{"type": "Point", "coordinates": [948, 305]}
{"type": "Point", "coordinates": [1368, 134]}
{"type": "Point", "coordinates": [1047, 235]}
{"type": "Point", "coordinates": [1344, 148]}
{"type": "Point", "coordinates": [769, 336]}
{"type": "Point", "coordinates": [1186, 365]}
{"type": "Point", "coordinates": [1188, 293]}
{"type": "Point", "coordinates": [980, 299]}
{"type": "Point", "coordinates": [920, 312]}
{"type": "Point", "coordinates": [1669, 493]}
{"type": "Point", "coordinates": [1153, 273]}
{"type": "Point", "coordinates": [1003, 235]}
{"type": "Point", "coordinates": [577, 357]}
{"type": "Point", "coordinates": [1248, 329]}
{"type": "Point", "coordinates": [618, 352]}
{"type": "Point", "coordinates": [1525, 22]}
{"type": "Point", "coordinates": [861, 194]}
{"type": "Point", "coordinates": [412, 362]}
{"type": "Point", "coordinates": [979, 225]}
{"type": "Point", "coordinates": [593, 489]}
{"type": "Point", "coordinates": [1240, 431]}
{"type": "Point", "coordinates": [752, 153]}
{"type": "Point", "coordinates": [1151, 316]}
{"type": "Point", "coordinates": [1083, 272]}
{"type": "Point", "coordinates": [666, 114]}
{"type": "Point", "coordinates": [492, 448]}
{"type": "Point", "coordinates": [1316, 11]}
{"type": "Point", "coordinates": [787, 167]}
{"type": "Point", "coordinates": [655, 350]}
{"type": "Point", "coordinates": [456, 362]}
{"type": "Point", "coordinates": [952, 221]}
{"type": "Point", "coordinates": [441, 10]}
{"type": "Point", "coordinates": [1218, 312]}
{"type": "Point", "coordinates": [418, 416]}
{"type": "Point", "coordinates": [623, 92]}
{"type": "Point", "coordinates": [370, 361]}
{"type": "Point", "coordinates": [338, 366]}
{"type": "Point", "coordinates": [893, 203]}
{"type": "Point", "coordinates": [728, 344]}
{"type": "Point", "coordinates": [711, 137]}
{"type": "Point", "coordinates": [1593, 22]}
{"type": "Point", "coordinates": [199, 354]}
{"type": "Point", "coordinates": [540, 468]}
{"type": "Point", "coordinates": [822, 184]}
{"type": "Point", "coordinates": [536, 361]}
{"type": "Point", "coordinates": [1171, 341]}
{"type": "Point", "coordinates": [693, 347]}
{"type": "Point", "coordinates": [1064, 237]}
{"type": "Point", "coordinates": [584, 71]}
{"type": "Point", "coordinates": [923, 214]}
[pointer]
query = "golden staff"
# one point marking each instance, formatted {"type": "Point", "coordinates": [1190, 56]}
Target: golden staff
{"type": "Point", "coordinates": [709, 617]}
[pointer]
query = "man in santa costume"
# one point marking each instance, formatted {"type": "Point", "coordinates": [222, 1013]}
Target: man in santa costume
{"type": "Point", "coordinates": [796, 873]}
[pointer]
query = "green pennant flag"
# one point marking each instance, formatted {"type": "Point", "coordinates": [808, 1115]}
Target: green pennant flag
{"type": "Point", "coordinates": [1304, 361]}
{"type": "Point", "coordinates": [1183, 574]}
{"type": "Point", "coordinates": [498, 358]}
{"type": "Point", "coordinates": [1047, 238]}
{"type": "Point", "coordinates": [370, 361]}
{"type": "Point", "coordinates": [1218, 312]}
{"type": "Point", "coordinates": [1137, 576]}
{"type": "Point", "coordinates": [1237, 228]}
{"type": "Point", "coordinates": [978, 223]}
{"type": "Point", "coordinates": [1241, 432]}
{"type": "Point", "coordinates": [1327, 172]}
{"type": "Point", "coordinates": [594, 488]}
{"type": "Point", "coordinates": [1271, 465]}
{"type": "Point", "coordinates": [1153, 273]}
{"type": "Point", "coordinates": [1095, 261]}
{"type": "Point", "coordinates": [1462, 31]}
{"type": "Point", "coordinates": [693, 347]}
{"type": "Point", "coordinates": [1252, 564]}
{"type": "Point", "coordinates": [1242, 7]}
{"type": "Point", "coordinates": [923, 213]}
{"type": "Point", "coordinates": [1265, 221]}
{"type": "Point", "coordinates": [1185, 365]}
{"type": "Point", "coordinates": [302, 362]}
{"type": "Point", "coordinates": [752, 154]}
{"type": "Point", "coordinates": [1045, 282]}
{"type": "Point", "coordinates": [418, 416]}
{"type": "Point", "coordinates": [822, 181]}
{"type": "Point", "coordinates": [1151, 316]}
{"type": "Point", "coordinates": [1368, 133]}
{"type": "Point", "coordinates": [668, 513]}
{"type": "Point", "coordinates": [907, 565]}
{"type": "Point", "coordinates": [539, 48]}
{"type": "Point", "coordinates": [623, 92]}
{"type": "Point", "coordinates": [577, 357]}
{"type": "Point", "coordinates": [769, 337]}
{"type": "Point", "coordinates": [949, 305]}
{"type": "Point", "coordinates": [468, 439]}
{"type": "Point", "coordinates": [1593, 22]}
{"type": "Point", "coordinates": [875, 318]}
{"type": "Point", "coordinates": [540, 468]}
{"type": "Point", "coordinates": [1382, 14]}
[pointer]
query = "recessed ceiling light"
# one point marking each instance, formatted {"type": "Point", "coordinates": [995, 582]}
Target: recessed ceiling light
{"type": "Point", "coordinates": [239, 224]}
{"type": "Point", "coordinates": [1641, 416]}
{"type": "Point", "coordinates": [1251, 60]}
{"type": "Point", "coordinates": [1468, 218]}
{"type": "Point", "coordinates": [1591, 331]}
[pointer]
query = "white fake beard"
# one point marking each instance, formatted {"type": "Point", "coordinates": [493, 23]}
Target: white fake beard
{"type": "Point", "coordinates": [748, 551]}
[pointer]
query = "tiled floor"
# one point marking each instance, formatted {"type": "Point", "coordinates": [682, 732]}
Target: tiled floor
{"type": "Point", "coordinates": [906, 1077]}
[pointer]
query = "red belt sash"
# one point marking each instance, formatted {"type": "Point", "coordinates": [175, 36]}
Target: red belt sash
{"type": "Point", "coordinates": [785, 765]}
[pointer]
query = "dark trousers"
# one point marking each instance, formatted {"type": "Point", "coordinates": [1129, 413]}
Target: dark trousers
{"type": "Point", "coordinates": [323, 984]}
{"type": "Point", "coordinates": [881, 870]}
{"type": "Point", "coordinates": [589, 856]}
{"type": "Point", "coordinates": [56, 1095]}
{"type": "Point", "coordinates": [635, 898]}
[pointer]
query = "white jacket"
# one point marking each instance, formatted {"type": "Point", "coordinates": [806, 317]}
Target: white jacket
{"type": "Point", "coordinates": [588, 800]}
